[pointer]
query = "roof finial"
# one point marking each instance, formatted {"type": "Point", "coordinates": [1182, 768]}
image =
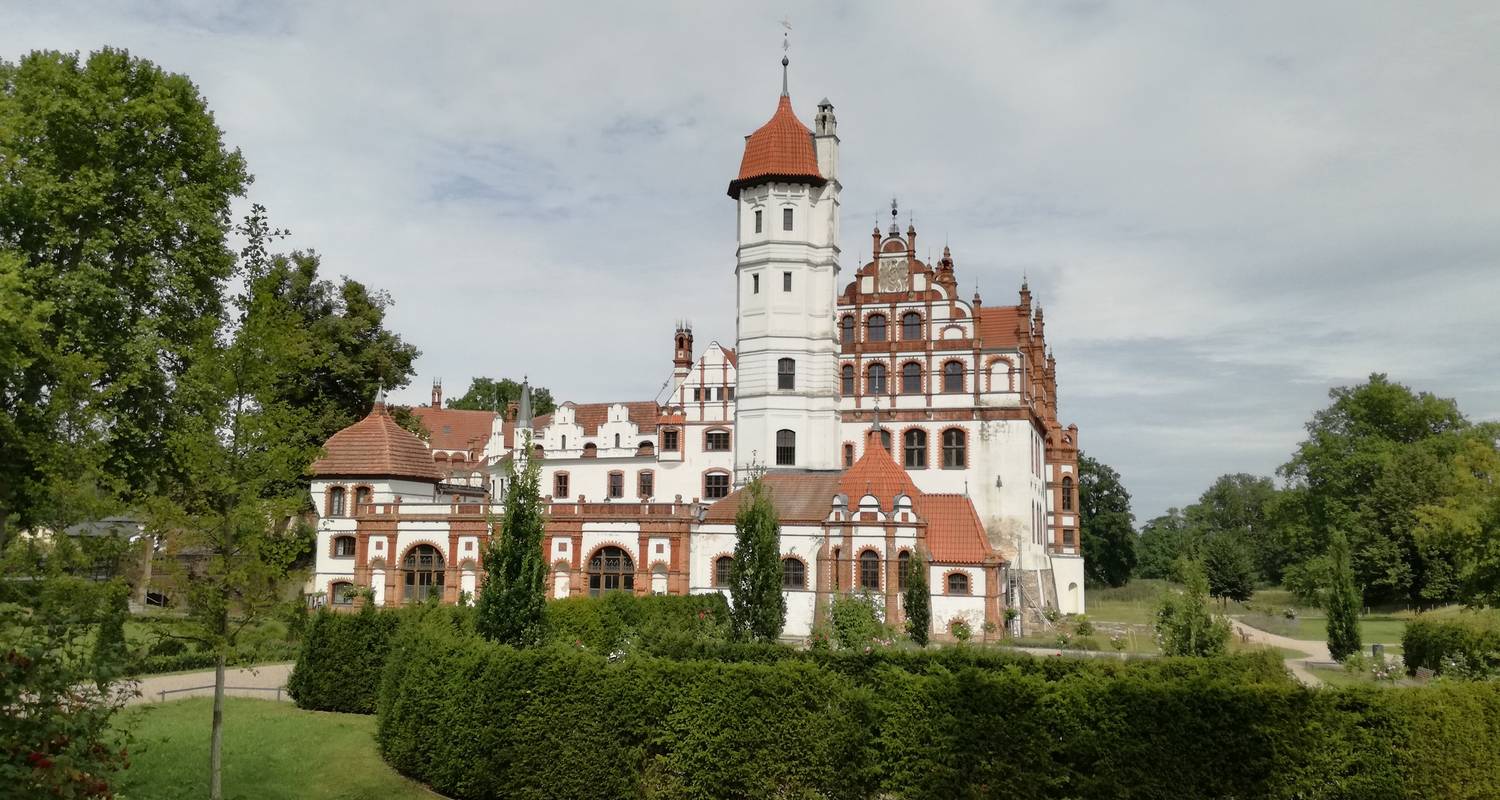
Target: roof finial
{"type": "Point", "coordinates": [895, 230]}
{"type": "Point", "coordinates": [786, 45]}
{"type": "Point", "coordinates": [875, 426]}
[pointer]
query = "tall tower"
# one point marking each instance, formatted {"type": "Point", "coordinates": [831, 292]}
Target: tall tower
{"type": "Point", "coordinates": [787, 208]}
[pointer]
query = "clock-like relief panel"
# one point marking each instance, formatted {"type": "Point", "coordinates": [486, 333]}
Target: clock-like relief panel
{"type": "Point", "coordinates": [894, 276]}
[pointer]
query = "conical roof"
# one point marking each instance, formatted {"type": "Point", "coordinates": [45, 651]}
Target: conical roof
{"type": "Point", "coordinates": [877, 473]}
{"type": "Point", "coordinates": [782, 149]}
{"type": "Point", "coordinates": [376, 447]}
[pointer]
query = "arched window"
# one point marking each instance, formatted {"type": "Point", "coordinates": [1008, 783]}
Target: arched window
{"type": "Point", "coordinates": [793, 573]}
{"type": "Point", "coordinates": [911, 326]}
{"type": "Point", "coordinates": [343, 546]}
{"type": "Point", "coordinates": [617, 440]}
{"type": "Point", "coordinates": [848, 455]}
{"type": "Point", "coordinates": [875, 379]}
{"type": "Point", "coordinates": [875, 328]}
{"type": "Point", "coordinates": [336, 501]}
{"type": "Point", "coordinates": [342, 594]}
{"type": "Point", "coordinates": [716, 439]}
{"type": "Point", "coordinates": [611, 570]}
{"type": "Point", "coordinates": [723, 565]}
{"type": "Point", "coordinates": [786, 448]}
{"type": "Point", "coordinates": [837, 567]}
{"type": "Point", "coordinates": [903, 566]}
{"type": "Point", "coordinates": [846, 329]}
{"type": "Point", "coordinates": [869, 570]}
{"type": "Point", "coordinates": [846, 379]}
{"type": "Point", "coordinates": [953, 376]}
{"type": "Point", "coordinates": [424, 572]}
{"type": "Point", "coordinates": [1067, 494]}
{"type": "Point", "coordinates": [715, 485]}
{"type": "Point", "coordinates": [954, 447]}
{"type": "Point", "coordinates": [362, 498]}
{"type": "Point", "coordinates": [914, 447]}
{"type": "Point", "coordinates": [958, 583]}
{"type": "Point", "coordinates": [911, 378]}
{"type": "Point", "coordinates": [786, 374]}
{"type": "Point", "coordinates": [564, 442]}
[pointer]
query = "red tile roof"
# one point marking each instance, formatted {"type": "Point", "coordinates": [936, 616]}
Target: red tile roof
{"type": "Point", "coordinates": [997, 326]}
{"type": "Point", "coordinates": [797, 496]}
{"type": "Point", "coordinates": [780, 149]}
{"type": "Point", "coordinates": [877, 473]}
{"type": "Point", "coordinates": [455, 428]}
{"type": "Point", "coordinates": [954, 532]}
{"type": "Point", "coordinates": [376, 447]}
{"type": "Point", "coordinates": [592, 415]}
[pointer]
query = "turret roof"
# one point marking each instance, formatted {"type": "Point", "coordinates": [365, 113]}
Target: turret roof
{"type": "Point", "coordinates": [376, 447]}
{"type": "Point", "coordinates": [781, 149]}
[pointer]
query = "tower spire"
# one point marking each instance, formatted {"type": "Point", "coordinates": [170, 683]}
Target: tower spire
{"type": "Point", "coordinates": [786, 45]}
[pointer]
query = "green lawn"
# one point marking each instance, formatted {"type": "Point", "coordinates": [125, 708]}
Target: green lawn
{"type": "Point", "coordinates": [271, 750]}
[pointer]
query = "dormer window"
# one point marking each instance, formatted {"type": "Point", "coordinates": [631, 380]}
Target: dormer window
{"type": "Point", "coordinates": [757, 220]}
{"type": "Point", "coordinates": [786, 219]}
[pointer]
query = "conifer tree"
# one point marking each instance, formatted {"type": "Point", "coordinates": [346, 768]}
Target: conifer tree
{"type": "Point", "coordinates": [1343, 601]}
{"type": "Point", "coordinates": [757, 606]}
{"type": "Point", "coordinates": [918, 600]}
{"type": "Point", "coordinates": [512, 601]}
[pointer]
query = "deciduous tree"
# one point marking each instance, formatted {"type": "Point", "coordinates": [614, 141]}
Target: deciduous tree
{"type": "Point", "coordinates": [1185, 624]}
{"type": "Point", "coordinates": [1228, 566]}
{"type": "Point", "coordinates": [487, 394]}
{"type": "Point", "coordinates": [1106, 531]}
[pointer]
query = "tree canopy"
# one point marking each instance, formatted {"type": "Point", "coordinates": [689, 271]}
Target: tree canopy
{"type": "Point", "coordinates": [1106, 525]}
{"type": "Point", "coordinates": [486, 394]}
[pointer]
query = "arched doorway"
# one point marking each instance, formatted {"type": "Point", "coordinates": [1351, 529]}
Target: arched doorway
{"type": "Point", "coordinates": [611, 570]}
{"type": "Point", "coordinates": [423, 570]}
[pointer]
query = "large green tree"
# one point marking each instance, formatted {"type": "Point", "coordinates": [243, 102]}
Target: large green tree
{"type": "Point", "coordinates": [1106, 524]}
{"type": "Point", "coordinates": [1229, 567]}
{"type": "Point", "coordinates": [512, 599]}
{"type": "Point", "coordinates": [1466, 523]}
{"type": "Point", "coordinates": [757, 608]}
{"type": "Point", "coordinates": [1163, 540]}
{"type": "Point", "coordinates": [487, 394]}
{"type": "Point", "coordinates": [115, 190]}
{"type": "Point", "coordinates": [1241, 506]}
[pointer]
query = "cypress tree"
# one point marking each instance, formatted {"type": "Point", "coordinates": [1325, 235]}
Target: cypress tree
{"type": "Point", "coordinates": [512, 600]}
{"type": "Point", "coordinates": [918, 600]}
{"type": "Point", "coordinates": [757, 606]}
{"type": "Point", "coordinates": [1343, 601]}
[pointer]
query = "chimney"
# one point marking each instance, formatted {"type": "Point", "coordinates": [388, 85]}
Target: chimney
{"type": "Point", "coordinates": [437, 393]}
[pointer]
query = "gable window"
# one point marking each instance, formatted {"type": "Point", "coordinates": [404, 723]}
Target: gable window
{"type": "Point", "coordinates": [846, 329]}
{"type": "Point", "coordinates": [869, 570]}
{"type": "Point", "coordinates": [903, 568]}
{"type": "Point", "coordinates": [848, 455]}
{"type": "Point", "coordinates": [755, 284]}
{"type": "Point", "coordinates": [911, 378]}
{"type": "Point", "coordinates": [786, 219]}
{"type": "Point", "coordinates": [875, 328]}
{"type": "Point", "coordinates": [786, 374]}
{"type": "Point", "coordinates": [793, 574]}
{"type": "Point", "coordinates": [336, 501]}
{"type": "Point", "coordinates": [669, 439]}
{"type": "Point", "coordinates": [786, 281]}
{"type": "Point", "coordinates": [616, 484]}
{"type": "Point", "coordinates": [953, 376]}
{"type": "Point", "coordinates": [911, 326]}
{"type": "Point", "coordinates": [1067, 494]}
{"type": "Point", "coordinates": [343, 546]}
{"type": "Point", "coordinates": [875, 379]}
{"type": "Point", "coordinates": [342, 594]}
{"type": "Point", "coordinates": [560, 485]}
{"type": "Point", "coordinates": [786, 448]}
{"type": "Point", "coordinates": [846, 379]}
{"type": "Point", "coordinates": [757, 220]}
{"type": "Point", "coordinates": [715, 485]}
{"type": "Point", "coordinates": [958, 583]}
{"type": "Point", "coordinates": [954, 447]}
{"type": "Point", "coordinates": [646, 483]}
{"type": "Point", "coordinates": [722, 567]}
{"type": "Point", "coordinates": [716, 440]}
{"type": "Point", "coordinates": [611, 570]}
{"type": "Point", "coordinates": [914, 443]}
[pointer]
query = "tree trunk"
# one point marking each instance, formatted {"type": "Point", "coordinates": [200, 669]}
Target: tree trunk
{"type": "Point", "coordinates": [215, 756]}
{"type": "Point", "coordinates": [148, 542]}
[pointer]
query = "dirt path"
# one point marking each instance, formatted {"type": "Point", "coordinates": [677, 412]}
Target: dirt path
{"type": "Point", "coordinates": [241, 682]}
{"type": "Point", "coordinates": [1316, 651]}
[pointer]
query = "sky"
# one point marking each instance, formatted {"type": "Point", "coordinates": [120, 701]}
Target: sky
{"type": "Point", "coordinates": [1225, 209]}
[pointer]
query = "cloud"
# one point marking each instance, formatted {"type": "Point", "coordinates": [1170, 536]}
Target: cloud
{"type": "Point", "coordinates": [1224, 211]}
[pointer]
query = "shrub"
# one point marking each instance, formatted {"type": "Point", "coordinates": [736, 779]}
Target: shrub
{"type": "Point", "coordinates": [856, 621]}
{"type": "Point", "coordinates": [341, 660]}
{"type": "Point", "coordinates": [618, 620]}
{"type": "Point", "coordinates": [1469, 642]}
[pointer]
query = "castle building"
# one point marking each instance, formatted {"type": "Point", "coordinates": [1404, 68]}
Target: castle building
{"type": "Point", "coordinates": [885, 412]}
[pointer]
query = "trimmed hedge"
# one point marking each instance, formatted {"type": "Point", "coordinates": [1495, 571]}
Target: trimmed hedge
{"type": "Point", "coordinates": [1472, 639]}
{"type": "Point", "coordinates": [474, 720]}
{"type": "Point", "coordinates": [623, 621]}
{"type": "Point", "coordinates": [341, 660]}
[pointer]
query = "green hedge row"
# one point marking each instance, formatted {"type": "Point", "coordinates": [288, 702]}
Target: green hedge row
{"type": "Point", "coordinates": [477, 720]}
{"type": "Point", "coordinates": [1468, 642]}
{"type": "Point", "coordinates": [620, 621]}
{"type": "Point", "coordinates": [341, 661]}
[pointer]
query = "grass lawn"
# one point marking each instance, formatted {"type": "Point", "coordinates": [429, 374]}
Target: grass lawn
{"type": "Point", "coordinates": [271, 750]}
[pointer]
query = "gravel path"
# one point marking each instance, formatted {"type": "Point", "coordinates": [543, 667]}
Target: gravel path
{"type": "Point", "coordinates": [1316, 651]}
{"type": "Point", "coordinates": [201, 684]}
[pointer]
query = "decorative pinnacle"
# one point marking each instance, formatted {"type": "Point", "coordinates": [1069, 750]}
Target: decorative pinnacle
{"type": "Point", "coordinates": [895, 229]}
{"type": "Point", "coordinates": [786, 45]}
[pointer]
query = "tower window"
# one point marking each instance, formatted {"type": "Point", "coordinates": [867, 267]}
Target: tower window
{"type": "Point", "coordinates": [875, 328]}
{"type": "Point", "coordinates": [757, 220]}
{"type": "Point", "coordinates": [914, 443]}
{"type": "Point", "coordinates": [1067, 494]}
{"type": "Point", "coordinates": [786, 448]}
{"type": "Point", "coordinates": [955, 448]}
{"type": "Point", "coordinates": [953, 376]}
{"type": "Point", "coordinates": [846, 330]}
{"type": "Point", "coordinates": [786, 374]}
{"type": "Point", "coordinates": [786, 219]}
{"type": "Point", "coordinates": [911, 378]}
{"type": "Point", "coordinates": [755, 284]}
{"type": "Point", "coordinates": [846, 379]}
{"type": "Point", "coordinates": [786, 281]}
{"type": "Point", "coordinates": [911, 326]}
{"type": "Point", "coordinates": [875, 379]}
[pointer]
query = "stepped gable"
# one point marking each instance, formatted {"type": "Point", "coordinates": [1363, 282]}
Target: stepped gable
{"type": "Point", "coordinates": [376, 447]}
{"type": "Point", "coordinates": [455, 428]}
{"type": "Point", "coordinates": [591, 415]}
{"type": "Point", "coordinates": [798, 496]}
